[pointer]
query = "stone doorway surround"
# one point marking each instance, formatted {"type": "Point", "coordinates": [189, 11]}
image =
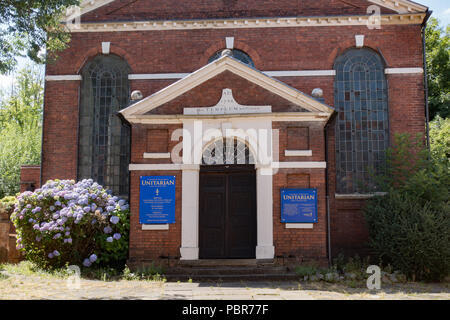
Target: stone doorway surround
{"type": "Point", "coordinates": [256, 133]}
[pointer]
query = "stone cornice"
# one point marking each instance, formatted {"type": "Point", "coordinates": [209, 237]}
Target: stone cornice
{"type": "Point", "coordinates": [326, 21]}
{"type": "Point", "coordinates": [400, 6]}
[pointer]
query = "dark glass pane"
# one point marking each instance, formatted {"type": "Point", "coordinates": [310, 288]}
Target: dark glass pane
{"type": "Point", "coordinates": [362, 131]}
{"type": "Point", "coordinates": [227, 151]}
{"type": "Point", "coordinates": [237, 54]}
{"type": "Point", "coordinates": [104, 141]}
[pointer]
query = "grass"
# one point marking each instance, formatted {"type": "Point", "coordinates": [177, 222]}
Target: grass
{"type": "Point", "coordinates": [26, 268]}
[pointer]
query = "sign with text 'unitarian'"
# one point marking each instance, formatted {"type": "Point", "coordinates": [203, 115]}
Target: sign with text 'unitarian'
{"type": "Point", "coordinates": [299, 205]}
{"type": "Point", "coordinates": [157, 200]}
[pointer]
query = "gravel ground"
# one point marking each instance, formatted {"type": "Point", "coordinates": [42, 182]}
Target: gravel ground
{"type": "Point", "coordinates": [17, 286]}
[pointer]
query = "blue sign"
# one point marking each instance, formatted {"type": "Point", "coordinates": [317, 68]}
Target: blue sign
{"type": "Point", "coordinates": [299, 205]}
{"type": "Point", "coordinates": [157, 200]}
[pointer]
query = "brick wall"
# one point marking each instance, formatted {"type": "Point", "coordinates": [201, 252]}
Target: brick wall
{"type": "Point", "coordinates": [30, 178]}
{"type": "Point", "coordinates": [300, 243]}
{"type": "Point", "coordinates": [60, 130]}
{"type": "Point", "coordinates": [184, 51]}
{"type": "Point", "coordinates": [153, 245]}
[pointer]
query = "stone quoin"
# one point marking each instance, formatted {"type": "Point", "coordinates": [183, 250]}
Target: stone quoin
{"type": "Point", "coordinates": [236, 100]}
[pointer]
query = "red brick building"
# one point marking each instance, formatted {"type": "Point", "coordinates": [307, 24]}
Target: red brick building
{"type": "Point", "coordinates": [306, 95]}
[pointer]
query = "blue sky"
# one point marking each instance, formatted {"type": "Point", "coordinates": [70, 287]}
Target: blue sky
{"type": "Point", "coordinates": [440, 8]}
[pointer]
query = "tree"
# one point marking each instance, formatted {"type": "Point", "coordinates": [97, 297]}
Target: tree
{"type": "Point", "coordinates": [440, 138]}
{"type": "Point", "coordinates": [27, 27]}
{"type": "Point", "coordinates": [438, 63]}
{"type": "Point", "coordinates": [20, 129]}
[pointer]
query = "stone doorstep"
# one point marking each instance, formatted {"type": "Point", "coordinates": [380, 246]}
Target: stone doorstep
{"type": "Point", "coordinates": [226, 262]}
{"type": "Point", "coordinates": [227, 270]}
{"type": "Point", "coordinates": [234, 277]}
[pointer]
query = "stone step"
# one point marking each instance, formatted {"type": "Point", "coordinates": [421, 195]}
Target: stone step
{"type": "Point", "coordinates": [225, 262]}
{"type": "Point", "coordinates": [227, 270]}
{"type": "Point", "coordinates": [233, 277]}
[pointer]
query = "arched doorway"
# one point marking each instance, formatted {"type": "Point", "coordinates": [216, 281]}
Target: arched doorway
{"type": "Point", "coordinates": [227, 208]}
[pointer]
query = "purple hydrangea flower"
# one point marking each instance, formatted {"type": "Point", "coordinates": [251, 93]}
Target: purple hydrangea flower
{"type": "Point", "coordinates": [114, 219]}
{"type": "Point", "coordinates": [87, 263]}
{"type": "Point", "coordinates": [56, 253]}
{"type": "Point", "coordinates": [117, 236]}
{"type": "Point", "coordinates": [93, 258]}
{"type": "Point", "coordinates": [109, 239]}
{"type": "Point", "coordinates": [107, 230]}
{"type": "Point", "coordinates": [50, 255]}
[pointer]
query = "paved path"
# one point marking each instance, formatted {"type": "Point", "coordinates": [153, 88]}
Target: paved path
{"type": "Point", "coordinates": [14, 286]}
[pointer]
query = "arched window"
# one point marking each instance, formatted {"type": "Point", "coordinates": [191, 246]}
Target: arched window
{"type": "Point", "coordinates": [362, 126]}
{"type": "Point", "coordinates": [227, 151]}
{"type": "Point", "coordinates": [235, 53]}
{"type": "Point", "coordinates": [104, 142]}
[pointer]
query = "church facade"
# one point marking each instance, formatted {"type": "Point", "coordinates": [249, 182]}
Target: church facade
{"type": "Point", "coordinates": [236, 129]}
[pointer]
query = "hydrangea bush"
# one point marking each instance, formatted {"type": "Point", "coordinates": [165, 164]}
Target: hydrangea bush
{"type": "Point", "coordinates": [65, 222]}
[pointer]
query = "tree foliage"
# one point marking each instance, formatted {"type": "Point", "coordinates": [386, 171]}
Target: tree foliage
{"type": "Point", "coordinates": [438, 64]}
{"type": "Point", "coordinates": [29, 27]}
{"type": "Point", "coordinates": [409, 227]}
{"type": "Point", "coordinates": [440, 138]}
{"type": "Point", "coordinates": [20, 129]}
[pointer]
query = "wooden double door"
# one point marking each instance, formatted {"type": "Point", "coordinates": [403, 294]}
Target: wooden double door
{"type": "Point", "coordinates": [227, 212]}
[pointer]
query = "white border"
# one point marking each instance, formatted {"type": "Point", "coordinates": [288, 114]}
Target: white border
{"type": "Point", "coordinates": [299, 225]}
{"type": "Point", "coordinates": [68, 77]}
{"type": "Point", "coordinates": [403, 70]}
{"type": "Point", "coordinates": [286, 73]}
{"type": "Point", "coordinates": [149, 227]}
{"type": "Point", "coordinates": [298, 153]}
{"type": "Point", "coordinates": [156, 155]}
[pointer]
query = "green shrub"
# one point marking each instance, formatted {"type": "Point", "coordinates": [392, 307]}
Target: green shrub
{"type": "Point", "coordinates": [409, 227]}
{"type": "Point", "coordinates": [7, 205]}
{"type": "Point", "coordinates": [306, 270]}
{"type": "Point", "coordinates": [413, 237]}
{"type": "Point", "coordinates": [440, 138]}
{"type": "Point", "coordinates": [72, 223]}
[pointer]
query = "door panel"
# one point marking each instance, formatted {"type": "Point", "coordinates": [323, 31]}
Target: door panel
{"type": "Point", "coordinates": [227, 213]}
{"type": "Point", "coordinates": [212, 216]}
{"type": "Point", "coordinates": [242, 215]}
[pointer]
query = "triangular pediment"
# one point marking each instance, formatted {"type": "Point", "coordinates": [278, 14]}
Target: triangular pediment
{"type": "Point", "coordinates": [133, 10]}
{"type": "Point", "coordinates": [226, 64]}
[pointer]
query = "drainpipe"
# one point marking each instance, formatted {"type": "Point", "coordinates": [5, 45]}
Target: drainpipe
{"type": "Point", "coordinates": [427, 110]}
{"type": "Point", "coordinates": [327, 187]}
